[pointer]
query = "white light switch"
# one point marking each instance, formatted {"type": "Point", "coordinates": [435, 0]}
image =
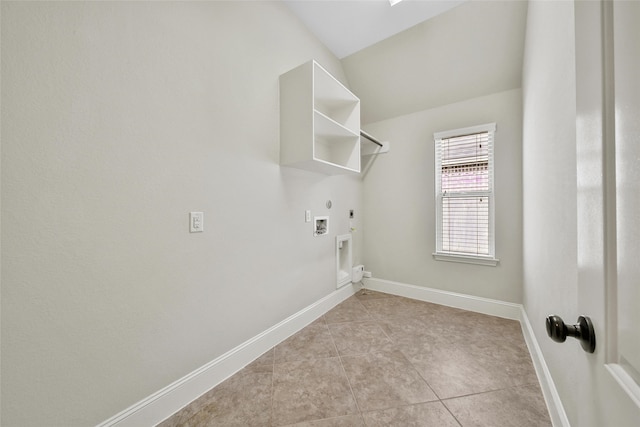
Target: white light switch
{"type": "Point", "coordinates": [196, 222]}
{"type": "Point", "coordinates": [307, 216]}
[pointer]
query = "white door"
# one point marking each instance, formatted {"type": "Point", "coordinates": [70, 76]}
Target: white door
{"type": "Point", "coordinates": [608, 162]}
{"type": "Point", "coordinates": [625, 353]}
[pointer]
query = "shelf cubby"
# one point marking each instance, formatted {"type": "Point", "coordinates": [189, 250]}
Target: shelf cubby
{"type": "Point", "coordinates": [319, 122]}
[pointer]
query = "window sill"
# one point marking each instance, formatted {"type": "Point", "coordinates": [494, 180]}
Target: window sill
{"type": "Point", "coordinates": [467, 259]}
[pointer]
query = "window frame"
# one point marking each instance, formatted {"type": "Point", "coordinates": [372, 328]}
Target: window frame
{"type": "Point", "coordinates": [440, 254]}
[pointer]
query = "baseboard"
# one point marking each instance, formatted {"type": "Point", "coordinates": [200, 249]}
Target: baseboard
{"type": "Point", "coordinates": [164, 403]}
{"type": "Point", "coordinates": [549, 391]}
{"type": "Point", "coordinates": [494, 308]}
{"type": "Point", "coordinates": [488, 306]}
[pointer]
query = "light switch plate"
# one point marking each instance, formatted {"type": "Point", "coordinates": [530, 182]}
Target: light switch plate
{"type": "Point", "coordinates": [196, 222]}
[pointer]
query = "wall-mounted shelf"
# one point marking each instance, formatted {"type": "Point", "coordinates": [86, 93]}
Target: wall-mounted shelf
{"type": "Point", "coordinates": [319, 122]}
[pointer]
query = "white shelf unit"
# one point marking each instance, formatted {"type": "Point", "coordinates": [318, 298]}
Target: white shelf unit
{"type": "Point", "coordinates": [319, 122]}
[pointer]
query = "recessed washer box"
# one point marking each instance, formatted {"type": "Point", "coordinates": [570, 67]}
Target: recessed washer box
{"type": "Point", "coordinates": [320, 225]}
{"type": "Point", "coordinates": [344, 269]}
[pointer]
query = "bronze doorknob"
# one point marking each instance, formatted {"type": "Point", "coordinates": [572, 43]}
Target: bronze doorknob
{"type": "Point", "coordinates": [583, 331]}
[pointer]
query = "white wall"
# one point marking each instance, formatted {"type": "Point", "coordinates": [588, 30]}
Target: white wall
{"type": "Point", "coordinates": [549, 178]}
{"type": "Point", "coordinates": [118, 119]}
{"type": "Point", "coordinates": [399, 200]}
{"type": "Point", "coordinates": [563, 209]}
{"type": "Point", "coordinates": [549, 160]}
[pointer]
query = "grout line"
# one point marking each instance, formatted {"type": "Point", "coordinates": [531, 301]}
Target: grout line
{"type": "Point", "coordinates": [408, 405]}
{"type": "Point", "coordinates": [364, 422]}
{"type": "Point", "coordinates": [423, 378]}
{"type": "Point", "coordinates": [420, 375]}
{"type": "Point", "coordinates": [337, 417]}
{"type": "Point", "coordinates": [449, 410]}
{"type": "Point", "coordinates": [344, 371]}
{"type": "Point", "coordinates": [440, 400]}
{"type": "Point", "coordinates": [377, 322]}
{"type": "Point", "coordinates": [489, 391]}
{"type": "Point", "coordinates": [272, 420]}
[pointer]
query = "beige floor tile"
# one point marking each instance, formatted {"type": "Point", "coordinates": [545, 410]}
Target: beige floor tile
{"type": "Point", "coordinates": [365, 294]}
{"type": "Point", "coordinates": [347, 421]}
{"type": "Point", "coordinates": [460, 369]}
{"type": "Point", "coordinates": [384, 355]}
{"type": "Point", "coordinates": [452, 372]}
{"type": "Point", "coordinates": [265, 360]}
{"type": "Point", "coordinates": [486, 329]}
{"type": "Point", "coordinates": [515, 407]}
{"type": "Point", "coordinates": [359, 337]}
{"type": "Point", "coordinates": [468, 353]}
{"type": "Point", "coordinates": [384, 380]}
{"type": "Point", "coordinates": [311, 390]}
{"type": "Point", "coordinates": [313, 342]}
{"type": "Point", "coordinates": [419, 415]}
{"type": "Point", "coordinates": [349, 310]}
{"type": "Point", "coordinates": [242, 400]}
{"type": "Point", "coordinates": [399, 307]}
{"type": "Point", "coordinates": [410, 331]}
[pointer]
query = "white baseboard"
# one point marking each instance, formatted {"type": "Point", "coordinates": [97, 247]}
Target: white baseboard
{"type": "Point", "coordinates": [164, 403]}
{"type": "Point", "coordinates": [488, 306]}
{"type": "Point", "coordinates": [549, 391]}
{"type": "Point", "coordinates": [494, 308]}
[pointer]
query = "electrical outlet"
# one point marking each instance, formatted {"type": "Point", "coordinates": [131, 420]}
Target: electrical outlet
{"type": "Point", "coordinates": [196, 222]}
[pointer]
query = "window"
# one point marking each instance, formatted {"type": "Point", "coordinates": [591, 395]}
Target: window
{"type": "Point", "coordinates": [464, 195]}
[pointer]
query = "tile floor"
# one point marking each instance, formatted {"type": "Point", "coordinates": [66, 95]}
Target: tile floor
{"type": "Point", "coordinates": [383, 360]}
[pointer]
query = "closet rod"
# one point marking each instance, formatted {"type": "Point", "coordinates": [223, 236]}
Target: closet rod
{"type": "Point", "coordinates": [370, 138]}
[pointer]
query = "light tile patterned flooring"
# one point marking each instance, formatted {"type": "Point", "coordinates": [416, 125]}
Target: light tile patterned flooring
{"type": "Point", "coordinates": [383, 360]}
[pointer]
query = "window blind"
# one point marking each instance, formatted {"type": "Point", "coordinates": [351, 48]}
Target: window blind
{"type": "Point", "coordinates": [464, 192]}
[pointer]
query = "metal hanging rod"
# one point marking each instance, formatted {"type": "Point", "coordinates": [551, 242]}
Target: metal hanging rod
{"type": "Point", "coordinates": [370, 138]}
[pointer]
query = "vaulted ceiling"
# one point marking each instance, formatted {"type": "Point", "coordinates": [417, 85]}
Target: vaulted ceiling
{"type": "Point", "coordinates": [472, 49]}
{"type": "Point", "coordinates": [347, 26]}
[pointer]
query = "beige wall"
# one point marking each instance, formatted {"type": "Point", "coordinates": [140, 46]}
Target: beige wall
{"type": "Point", "coordinates": [117, 120]}
{"type": "Point", "coordinates": [399, 200]}
{"type": "Point", "coordinates": [472, 50]}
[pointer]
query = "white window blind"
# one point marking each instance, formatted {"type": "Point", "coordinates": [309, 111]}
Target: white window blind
{"type": "Point", "coordinates": [464, 193]}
